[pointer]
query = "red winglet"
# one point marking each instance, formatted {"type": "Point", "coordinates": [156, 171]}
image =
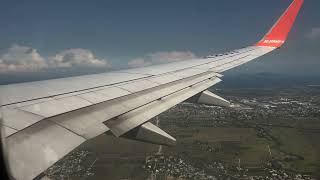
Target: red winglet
{"type": "Point", "coordinates": [279, 32]}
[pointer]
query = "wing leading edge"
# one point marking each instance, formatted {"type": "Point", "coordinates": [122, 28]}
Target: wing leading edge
{"type": "Point", "coordinates": [56, 116]}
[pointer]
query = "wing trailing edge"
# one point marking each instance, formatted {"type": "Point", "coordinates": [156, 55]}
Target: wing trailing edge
{"type": "Point", "coordinates": [278, 34]}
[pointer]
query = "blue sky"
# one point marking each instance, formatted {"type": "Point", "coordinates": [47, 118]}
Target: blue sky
{"type": "Point", "coordinates": [118, 32]}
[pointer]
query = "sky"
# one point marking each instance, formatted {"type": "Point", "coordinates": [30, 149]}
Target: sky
{"type": "Point", "coordinates": [72, 37]}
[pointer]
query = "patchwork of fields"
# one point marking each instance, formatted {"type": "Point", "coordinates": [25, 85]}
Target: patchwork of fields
{"type": "Point", "coordinates": [269, 134]}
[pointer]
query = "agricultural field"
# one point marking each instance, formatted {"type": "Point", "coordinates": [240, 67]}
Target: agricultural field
{"type": "Point", "coordinates": [266, 135]}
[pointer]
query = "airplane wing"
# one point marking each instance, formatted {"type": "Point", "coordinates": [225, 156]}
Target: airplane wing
{"type": "Point", "coordinates": [45, 120]}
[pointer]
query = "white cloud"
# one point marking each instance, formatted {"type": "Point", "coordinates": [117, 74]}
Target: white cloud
{"type": "Point", "coordinates": [162, 57]}
{"type": "Point", "coordinates": [314, 33]}
{"type": "Point", "coordinates": [25, 59]}
{"type": "Point", "coordinates": [139, 62]}
{"type": "Point", "coordinates": [77, 57]}
{"type": "Point", "coordinates": [21, 58]}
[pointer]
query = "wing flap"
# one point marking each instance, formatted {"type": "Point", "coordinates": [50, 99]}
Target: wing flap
{"type": "Point", "coordinates": [56, 107]}
{"type": "Point", "coordinates": [7, 131]}
{"type": "Point", "coordinates": [128, 121]}
{"type": "Point", "coordinates": [34, 149]}
{"type": "Point", "coordinates": [84, 123]}
{"type": "Point", "coordinates": [18, 119]}
{"type": "Point", "coordinates": [89, 110]}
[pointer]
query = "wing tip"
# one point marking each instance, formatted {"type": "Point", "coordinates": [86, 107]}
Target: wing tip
{"type": "Point", "coordinates": [277, 35]}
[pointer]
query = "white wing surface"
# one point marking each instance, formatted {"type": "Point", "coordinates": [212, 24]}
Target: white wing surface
{"type": "Point", "coordinates": [45, 120]}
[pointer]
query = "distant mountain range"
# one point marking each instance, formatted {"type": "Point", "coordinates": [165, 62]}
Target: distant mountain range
{"type": "Point", "coordinates": [268, 80]}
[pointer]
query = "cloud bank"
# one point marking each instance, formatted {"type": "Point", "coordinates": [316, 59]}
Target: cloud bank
{"type": "Point", "coordinates": [138, 62]}
{"type": "Point", "coordinates": [165, 57]}
{"type": "Point", "coordinates": [25, 59]}
{"type": "Point", "coordinates": [19, 58]}
{"type": "Point", "coordinates": [77, 57]}
{"type": "Point", "coordinates": [161, 57]}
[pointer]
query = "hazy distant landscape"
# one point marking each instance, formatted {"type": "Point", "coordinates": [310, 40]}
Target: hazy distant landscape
{"type": "Point", "coordinates": [230, 80]}
{"type": "Point", "coordinates": [272, 133]}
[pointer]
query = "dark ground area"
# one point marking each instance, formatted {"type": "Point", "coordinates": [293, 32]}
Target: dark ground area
{"type": "Point", "coordinates": [271, 133]}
